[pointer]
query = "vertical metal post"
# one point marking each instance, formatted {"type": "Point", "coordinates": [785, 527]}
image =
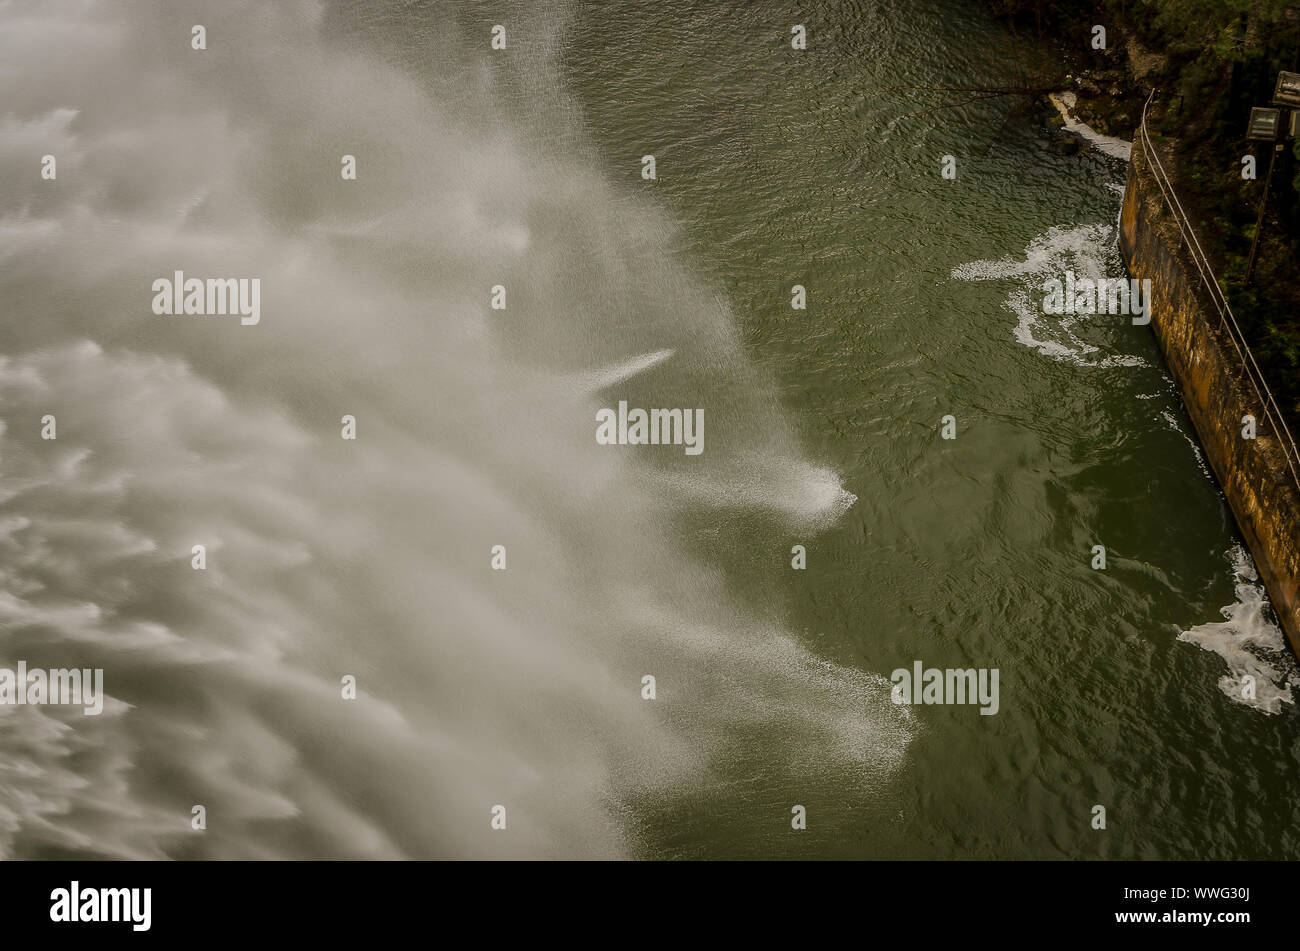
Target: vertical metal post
{"type": "Point", "coordinates": [1259, 222]}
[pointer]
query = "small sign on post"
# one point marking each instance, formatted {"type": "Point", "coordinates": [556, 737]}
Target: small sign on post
{"type": "Point", "coordinates": [1264, 124]}
{"type": "Point", "coordinates": [1287, 92]}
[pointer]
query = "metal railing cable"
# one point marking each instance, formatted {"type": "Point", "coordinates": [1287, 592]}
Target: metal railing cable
{"type": "Point", "coordinates": [1229, 322]}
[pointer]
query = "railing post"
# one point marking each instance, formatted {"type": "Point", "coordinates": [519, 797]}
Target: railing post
{"type": "Point", "coordinates": [1259, 222]}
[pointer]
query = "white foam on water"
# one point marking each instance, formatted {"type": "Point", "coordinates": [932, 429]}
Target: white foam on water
{"type": "Point", "coordinates": [1174, 424]}
{"type": "Point", "coordinates": [1089, 252]}
{"type": "Point", "coordinates": [1107, 144]}
{"type": "Point", "coordinates": [1249, 642]}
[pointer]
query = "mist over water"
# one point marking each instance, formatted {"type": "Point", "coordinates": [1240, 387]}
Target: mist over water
{"type": "Point", "coordinates": [476, 427]}
{"type": "Point", "coordinates": [371, 558]}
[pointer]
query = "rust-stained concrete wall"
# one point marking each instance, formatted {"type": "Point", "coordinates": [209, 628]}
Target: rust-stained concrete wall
{"type": "Point", "coordinates": [1253, 473]}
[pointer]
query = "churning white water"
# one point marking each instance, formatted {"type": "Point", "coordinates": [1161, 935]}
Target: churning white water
{"type": "Point", "coordinates": [1088, 251]}
{"type": "Point", "coordinates": [1249, 641]}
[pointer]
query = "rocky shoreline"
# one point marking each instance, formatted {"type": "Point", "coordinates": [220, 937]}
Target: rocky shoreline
{"type": "Point", "coordinates": [1104, 90]}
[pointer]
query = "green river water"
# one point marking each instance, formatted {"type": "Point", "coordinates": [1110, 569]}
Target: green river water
{"type": "Point", "coordinates": [815, 168]}
{"type": "Point", "coordinates": [380, 558]}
